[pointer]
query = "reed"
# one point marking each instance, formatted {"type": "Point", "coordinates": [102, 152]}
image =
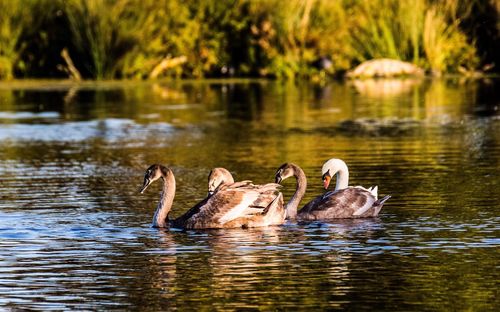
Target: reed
{"type": "Point", "coordinates": [101, 33]}
{"type": "Point", "coordinates": [14, 19]}
{"type": "Point", "coordinates": [272, 38]}
{"type": "Point", "coordinates": [426, 33]}
{"type": "Point", "coordinates": [446, 47]}
{"type": "Point", "coordinates": [289, 36]}
{"type": "Point", "coordinates": [162, 29]}
{"type": "Point", "coordinates": [196, 30]}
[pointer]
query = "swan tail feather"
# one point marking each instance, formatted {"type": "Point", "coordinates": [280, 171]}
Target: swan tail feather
{"type": "Point", "coordinates": [274, 213]}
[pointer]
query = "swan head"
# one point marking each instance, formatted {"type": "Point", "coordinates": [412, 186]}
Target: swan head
{"type": "Point", "coordinates": [217, 177]}
{"type": "Point", "coordinates": [153, 173]}
{"type": "Point", "coordinates": [330, 168]}
{"type": "Point", "coordinates": [284, 172]}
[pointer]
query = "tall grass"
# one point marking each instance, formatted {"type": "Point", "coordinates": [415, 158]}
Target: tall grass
{"type": "Point", "coordinates": [14, 19]}
{"type": "Point", "coordinates": [426, 33]}
{"type": "Point", "coordinates": [128, 38]}
{"type": "Point", "coordinates": [376, 32]}
{"type": "Point", "coordinates": [394, 32]}
{"type": "Point", "coordinates": [273, 38]}
{"type": "Point", "coordinates": [101, 32]}
{"type": "Point", "coordinates": [289, 35]}
{"type": "Point", "coordinates": [446, 47]}
{"type": "Point", "coordinates": [163, 29]}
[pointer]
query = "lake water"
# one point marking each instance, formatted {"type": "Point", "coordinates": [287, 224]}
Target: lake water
{"type": "Point", "coordinates": [75, 233]}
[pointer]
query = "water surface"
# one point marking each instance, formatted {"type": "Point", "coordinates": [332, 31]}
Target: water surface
{"type": "Point", "coordinates": [75, 234]}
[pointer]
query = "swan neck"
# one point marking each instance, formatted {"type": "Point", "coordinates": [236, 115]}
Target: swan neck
{"type": "Point", "coordinates": [342, 178]}
{"type": "Point", "coordinates": [292, 205]}
{"type": "Point", "coordinates": [160, 218]}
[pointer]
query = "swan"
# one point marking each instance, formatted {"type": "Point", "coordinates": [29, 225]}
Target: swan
{"type": "Point", "coordinates": [220, 178]}
{"type": "Point", "coordinates": [228, 207]}
{"type": "Point", "coordinates": [217, 177]}
{"type": "Point", "coordinates": [343, 202]}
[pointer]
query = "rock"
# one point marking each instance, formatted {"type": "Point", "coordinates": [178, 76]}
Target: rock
{"type": "Point", "coordinates": [384, 68]}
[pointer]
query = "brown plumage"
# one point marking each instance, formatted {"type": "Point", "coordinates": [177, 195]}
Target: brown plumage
{"type": "Point", "coordinates": [217, 177]}
{"type": "Point", "coordinates": [221, 178]}
{"type": "Point", "coordinates": [344, 202]}
{"type": "Point", "coordinates": [230, 206]}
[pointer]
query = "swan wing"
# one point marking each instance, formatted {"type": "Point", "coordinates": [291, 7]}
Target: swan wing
{"type": "Point", "coordinates": [182, 220]}
{"type": "Point", "coordinates": [351, 202]}
{"type": "Point", "coordinates": [267, 193]}
{"type": "Point", "coordinates": [362, 208]}
{"type": "Point", "coordinates": [230, 203]}
{"type": "Point", "coordinates": [245, 183]}
{"type": "Point", "coordinates": [371, 189]}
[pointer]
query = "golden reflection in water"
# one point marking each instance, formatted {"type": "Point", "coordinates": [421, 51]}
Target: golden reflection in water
{"type": "Point", "coordinates": [69, 97]}
{"type": "Point", "coordinates": [448, 101]}
{"type": "Point", "coordinates": [383, 88]}
{"type": "Point", "coordinates": [163, 266]}
{"type": "Point", "coordinates": [232, 260]}
{"type": "Point", "coordinates": [165, 92]}
{"type": "Point", "coordinates": [266, 105]}
{"type": "Point", "coordinates": [442, 174]}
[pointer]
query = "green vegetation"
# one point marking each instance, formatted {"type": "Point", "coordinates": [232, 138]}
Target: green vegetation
{"type": "Point", "coordinates": [14, 18]}
{"type": "Point", "coordinates": [109, 39]}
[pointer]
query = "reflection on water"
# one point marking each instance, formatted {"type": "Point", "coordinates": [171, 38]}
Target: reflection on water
{"type": "Point", "coordinates": [383, 88]}
{"type": "Point", "coordinates": [74, 232]}
{"type": "Point", "coordinates": [110, 129]}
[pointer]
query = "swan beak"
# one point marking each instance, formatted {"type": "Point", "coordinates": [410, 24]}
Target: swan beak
{"type": "Point", "coordinates": [147, 182]}
{"type": "Point", "coordinates": [278, 179]}
{"type": "Point", "coordinates": [326, 181]}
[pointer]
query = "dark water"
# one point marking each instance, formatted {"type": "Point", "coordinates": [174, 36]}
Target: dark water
{"type": "Point", "coordinates": [75, 234]}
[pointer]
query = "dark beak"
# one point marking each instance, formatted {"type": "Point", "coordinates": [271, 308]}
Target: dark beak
{"type": "Point", "coordinates": [210, 193]}
{"type": "Point", "coordinates": [145, 185]}
{"type": "Point", "coordinates": [278, 179]}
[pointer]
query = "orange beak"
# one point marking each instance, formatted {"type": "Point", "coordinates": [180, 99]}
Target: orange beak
{"type": "Point", "coordinates": [326, 181]}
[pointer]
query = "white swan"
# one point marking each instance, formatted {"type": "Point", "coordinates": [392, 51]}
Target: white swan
{"type": "Point", "coordinates": [343, 202]}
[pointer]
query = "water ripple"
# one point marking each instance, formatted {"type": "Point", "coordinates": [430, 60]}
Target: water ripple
{"type": "Point", "coordinates": [108, 129]}
{"type": "Point", "coordinates": [75, 234]}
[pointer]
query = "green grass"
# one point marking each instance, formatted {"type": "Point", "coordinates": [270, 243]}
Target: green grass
{"type": "Point", "coordinates": [15, 17]}
{"type": "Point", "coordinates": [262, 38]}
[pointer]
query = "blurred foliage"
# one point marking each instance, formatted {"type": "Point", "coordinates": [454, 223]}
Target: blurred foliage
{"type": "Point", "coordinates": [109, 39]}
{"type": "Point", "coordinates": [103, 30]}
{"type": "Point", "coordinates": [14, 18]}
